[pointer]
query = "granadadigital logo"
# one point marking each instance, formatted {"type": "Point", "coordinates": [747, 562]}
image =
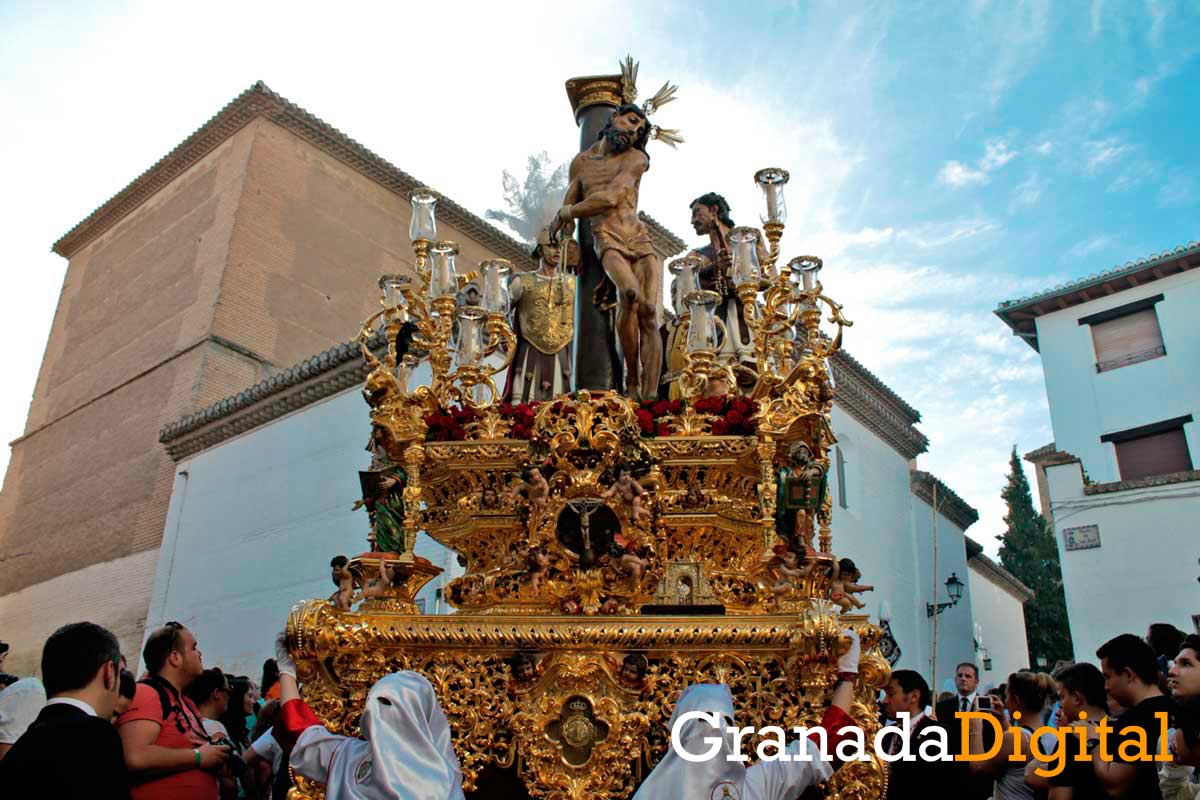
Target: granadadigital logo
{"type": "Point", "coordinates": [895, 742]}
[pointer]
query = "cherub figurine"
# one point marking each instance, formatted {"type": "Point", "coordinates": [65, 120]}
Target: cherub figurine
{"type": "Point", "coordinates": [633, 671]}
{"type": "Point", "coordinates": [627, 559]}
{"type": "Point", "coordinates": [629, 492]}
{"type": "Point", "coordinates": [533, 485]}
{"type": "Point", "coordinates": [788, 563]}
{"type": "Point", "coordinates": [844, 585]}
{"type": "Point", "coordinates": [378, 586]}
{"type": "Point", "coordinates": [523, 668]}
{"type": "Point", "coordinates": [343, 578]}
{"type": "Point", "coordinates": [537, 564]}
{"type": "Point", "coordinates": [694, 497]}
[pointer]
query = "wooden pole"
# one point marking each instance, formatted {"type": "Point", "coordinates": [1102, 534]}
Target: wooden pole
{"type": "Point", "coordinates": [933, 659]}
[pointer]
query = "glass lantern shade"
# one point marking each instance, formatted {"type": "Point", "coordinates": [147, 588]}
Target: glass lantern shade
{"type": "Point", "coordinates": [469, 346]}
{"type": "Point", "coordinates": [443, 277]}
{"type": "Point", "coordinates": [424, 218]}
{"type": "Point", "coordinates": [685, 271]}
{"type": "Point", "coordinates": [744, 241]}
{"type": "Point", "coordinates": [772, 180]}
{"type": "Point", "coordinates": [495, 284]}
{"type": "Point", "coordinates": [807, 267]}
{"type": "Point", "coordinates": [702, 330]}
{"type": "Point", "coordinates": [406, 369]}
{"type": "Point", "coordinates": [392, 286]}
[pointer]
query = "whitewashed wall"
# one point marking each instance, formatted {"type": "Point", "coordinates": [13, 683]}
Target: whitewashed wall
{"type": "Point", "coordinates": [1001, 620]}
{"type": "Point", "coordinates": [253, 524]}
{"type": "Point", "coordinates": [888, 533]}
{"type": "Point", "coordinates": [1085, 404]}
{"type": "Point", "coordinates": [1146, 567]}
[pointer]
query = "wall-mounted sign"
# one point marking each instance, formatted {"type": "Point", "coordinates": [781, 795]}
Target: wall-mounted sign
{"type": "Point", "coordinates": [1085, 537]}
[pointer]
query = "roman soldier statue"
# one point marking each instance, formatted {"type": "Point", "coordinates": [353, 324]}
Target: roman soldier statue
{"type": "Point", "coordinates": [544, 320]}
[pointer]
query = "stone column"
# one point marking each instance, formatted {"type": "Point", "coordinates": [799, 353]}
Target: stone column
{"type": "Point", "coordinates": [597, 362]}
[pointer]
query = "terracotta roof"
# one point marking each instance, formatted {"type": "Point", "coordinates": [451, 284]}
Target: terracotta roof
{"type": "Point", "coordinates": [1020, 314]}
{"type": "Point", "coordinates": [952, 507]}
{"type": "Point", "coordinates": [668, 242]}
{"type": "Point", "coordinates": [1049, 455]}
{"type": "Point", "coordinates": [996, 573]}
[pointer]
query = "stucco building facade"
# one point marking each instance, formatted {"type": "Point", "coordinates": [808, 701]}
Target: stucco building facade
{"type": "Point", "coordinates": [1121, 357]}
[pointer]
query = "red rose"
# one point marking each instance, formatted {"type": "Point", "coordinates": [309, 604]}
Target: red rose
{"type": "Point", "coordinates": [458, 434]}
{"type": "Point", "coordinates": [709, 405]}
{"type": "Point", "coordinates": [663, 429]}
{"type": "Point", "coordinates": [520, 431]}
{"type": "Point", "coordinates": [505, 409]}
{"type": "Point", "coordinates": [720, 427]}
{"type": "Point", "coordinates": [735, 418]}
{"type": "Point", "coordinates": [660, 409]}
{"type": "Point", "coordinates": [742, 404]}
{"type": "Point", "coordinates": [645, 420]}
{"type": "Point", "coordinates": [674, 406]}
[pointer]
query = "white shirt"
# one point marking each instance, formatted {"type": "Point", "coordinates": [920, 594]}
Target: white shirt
{"type": "Point", "coordinates": [269, 749]}
{"type": "Point", "coordinates": [970, 698]}
{"type": "Point", "coordinates": [20, 704]}
{"type": "Point", "coordinates": [71, 701]}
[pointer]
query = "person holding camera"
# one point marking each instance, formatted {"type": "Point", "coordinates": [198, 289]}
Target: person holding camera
{"type": "Point", "coordinates": [167, 751]}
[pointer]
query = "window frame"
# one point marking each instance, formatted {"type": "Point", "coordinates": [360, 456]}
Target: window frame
{"type": "Point", "coordinates": [1111, 314]}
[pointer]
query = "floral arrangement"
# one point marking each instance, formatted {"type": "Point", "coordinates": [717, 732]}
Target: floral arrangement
{"type": "Point", "coordinates": [454, 424]}
{"type": "Point", "coordinates": [734, 416]}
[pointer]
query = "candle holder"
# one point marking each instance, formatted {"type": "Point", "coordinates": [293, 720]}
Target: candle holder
{"type": "Point", "coordinates": [429, 304]}
{"type": "Point", "coordinates": [771, 181]}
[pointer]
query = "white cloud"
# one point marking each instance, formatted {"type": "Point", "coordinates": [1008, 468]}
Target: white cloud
{"type": "Point", "coordinates": [957, 174]}
{"type": "Point", "coordinates": [1179, 190]}
{"type": "Point", "coordinates": [1028, 192]}
{"type": "Point", "coordinates": [1103, 153]}
{"type": "Point", "coordinates": [1097, 13]}
{"type": "Point", "coordinates": [1093, 244]}
{"type": "Point", "coordinates": [939, 234]}
{"type": "Point", "coordinates": [996, 155]}
{"type": "Point", "coordinates": [1045, 148]}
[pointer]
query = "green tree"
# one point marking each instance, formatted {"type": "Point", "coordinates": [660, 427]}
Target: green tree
{"type": "Point", "coordinates": [1029, 552]}
{"type": "Point", "coordinates": [532, 202]}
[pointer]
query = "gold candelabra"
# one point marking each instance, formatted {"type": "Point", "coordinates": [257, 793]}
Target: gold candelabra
{"type": "Point", "coordinates": [459, 369]}
{"type": "Point", "coordinates": [781, 306]}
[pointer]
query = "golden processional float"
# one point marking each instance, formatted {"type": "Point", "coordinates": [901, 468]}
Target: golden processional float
{"type": "Point", "coordinates": [591, 598]}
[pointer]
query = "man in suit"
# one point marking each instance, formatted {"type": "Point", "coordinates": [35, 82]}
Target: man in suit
{"type": "Point", "coordinates": [71, 751]}
{"type": "Point", "coordinates": [908, 693]}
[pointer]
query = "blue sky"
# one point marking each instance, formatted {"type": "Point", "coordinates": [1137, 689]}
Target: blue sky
{"type": "Point", "coordinates": [944, 156]}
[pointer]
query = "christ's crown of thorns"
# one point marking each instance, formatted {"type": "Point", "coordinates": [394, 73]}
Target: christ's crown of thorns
{"type": "Point", "coordinates": [629, 71]}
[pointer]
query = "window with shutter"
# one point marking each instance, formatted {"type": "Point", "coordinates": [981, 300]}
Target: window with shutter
{"type": "Point", "coordinates": [1127, 339]}
{"type": "Point", "coordinates": [1156, 454]}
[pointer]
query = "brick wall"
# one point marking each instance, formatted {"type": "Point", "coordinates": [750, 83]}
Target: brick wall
{"type": "Point", "coordinates": [263, 253]}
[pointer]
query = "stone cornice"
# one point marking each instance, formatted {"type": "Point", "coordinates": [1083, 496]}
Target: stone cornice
{"type": "Point", "coordinates": [310, 381]}
{"type": "Point", "coordinates": [1001, 577]}
{"type": "Point", "coordinates": [1143, 483]}
{"type": "Point", "coordinates": [951, 506]}
{"type": "Point", "coordinates": [1049, 455]}
{"type": "Point", "coordinates": [866, 398]}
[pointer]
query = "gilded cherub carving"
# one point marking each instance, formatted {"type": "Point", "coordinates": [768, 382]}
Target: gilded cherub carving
{"type": "Point", "coordinates": [844, 585]}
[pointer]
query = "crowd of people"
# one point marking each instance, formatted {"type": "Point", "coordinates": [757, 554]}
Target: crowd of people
{"type": "Point", "coordinates": [1089, 731]}
{"type": "Point", "coordinates": [88, 729]}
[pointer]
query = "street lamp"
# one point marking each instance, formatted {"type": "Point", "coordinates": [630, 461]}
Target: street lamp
{"type": "Point", "coordinates": [954, 588]}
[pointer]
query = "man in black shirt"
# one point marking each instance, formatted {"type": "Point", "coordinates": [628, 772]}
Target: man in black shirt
{"type": "Point", "coordinates": [1131, 679]}
{"type": "Point", "coordinates": [72, 751]}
